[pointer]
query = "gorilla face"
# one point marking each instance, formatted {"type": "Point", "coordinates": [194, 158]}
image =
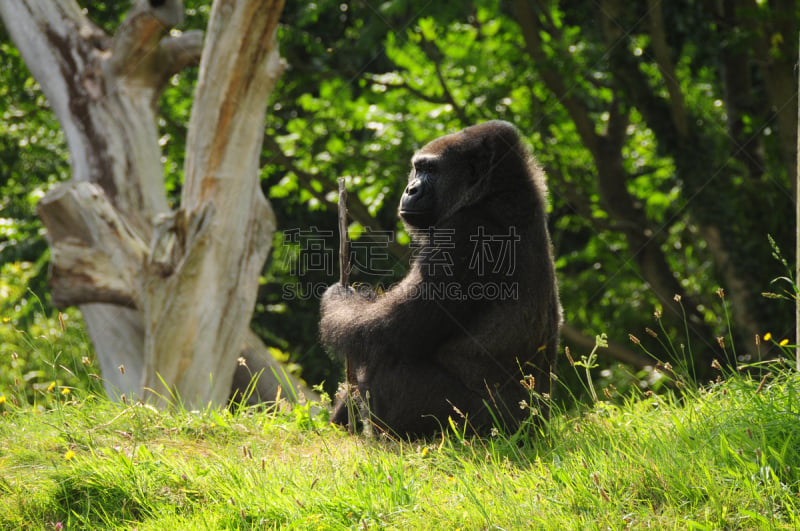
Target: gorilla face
{"type": "Point", "coordinates": [456, 171]}
{"type": "Point", "coordinates": [418, 204]}
{"type": "Point", "coordinates": [440, 179]}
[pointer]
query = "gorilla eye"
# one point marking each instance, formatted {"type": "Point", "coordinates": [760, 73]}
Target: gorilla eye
{"type": "Point", "coordinates": [425, 165]}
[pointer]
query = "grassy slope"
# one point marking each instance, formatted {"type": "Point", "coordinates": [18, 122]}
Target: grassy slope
{"type": "Point", "coordinates": [728, 457]}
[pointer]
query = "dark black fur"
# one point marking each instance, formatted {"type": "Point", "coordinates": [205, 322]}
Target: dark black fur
{"type": "Point", "coordinates": [421, 359]}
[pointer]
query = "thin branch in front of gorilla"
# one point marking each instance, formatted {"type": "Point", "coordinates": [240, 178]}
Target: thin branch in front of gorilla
{"type": "Point", "coordinates": [344, 240]}
{"type": "Point", "coordinates": [351, 382]}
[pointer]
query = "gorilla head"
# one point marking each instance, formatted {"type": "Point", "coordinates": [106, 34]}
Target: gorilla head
{"type": "Point", "coordinates": [478, 312]}
{"type": "Point", "coordinates": [459, 167]}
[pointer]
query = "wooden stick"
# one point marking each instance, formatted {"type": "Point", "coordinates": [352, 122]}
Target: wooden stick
{"type": "Point", "coordinates": [351, 384]}
{"type": "Point", "coordinates": [344, 241]}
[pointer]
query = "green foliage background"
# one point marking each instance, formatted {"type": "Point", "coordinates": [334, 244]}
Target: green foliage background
{"type": "Point", "coordinates": [369, 82]}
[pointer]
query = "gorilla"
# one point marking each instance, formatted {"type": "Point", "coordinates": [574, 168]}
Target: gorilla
{"type": "Point", "coordinates": [470, 334]}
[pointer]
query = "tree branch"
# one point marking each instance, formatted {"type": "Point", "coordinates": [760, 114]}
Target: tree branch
{"type": "Point", "coordinates": [630, 79]}
{"type": "Point", "coordinates": [58, 44]}
{"type": "Point", "coordinates": [135, 51]}
{"type": "Point", "coordinates": [180, 52]}
{"type": "Point", "coordinates": [238, 69]}
{"type": "Point", "coordinates": [529, 23]}
{"type": "Point", "coordinates": [738, 89]}
{"type": "Point", "coordinates": [402, 85]}
{"type": "Point", "coordinates": [435, 55]}
{"type": "Point", "coordinates": [95, 255]}
{"type": "Point", "coordinates": [662, 53]}
{"type": "Point", "coordinates": [777, 60]}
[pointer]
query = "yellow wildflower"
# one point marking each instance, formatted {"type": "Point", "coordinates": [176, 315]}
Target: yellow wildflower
{"type": "Point", "coordinates": [51, 386]}
{"type": "Point", "coordinates": [767, 336]}
{"type": "Point", "coordinates": [2, 399]}
{"type": "Point", "coordinates": [69, 455]}
{"type": "Point", "coordinates": [784, 342]}
{"type": "Point", "coordinates": [65, 391]}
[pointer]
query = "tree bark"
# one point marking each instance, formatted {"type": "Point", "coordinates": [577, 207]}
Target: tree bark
{"type": "Point", "coordinates": [797, 238]}
{"type": "Point", "coordinates": [167, 295]}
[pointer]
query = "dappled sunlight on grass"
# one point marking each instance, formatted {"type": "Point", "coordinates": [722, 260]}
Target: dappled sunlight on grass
{"type": "Point", "coordinates": [724, 456]}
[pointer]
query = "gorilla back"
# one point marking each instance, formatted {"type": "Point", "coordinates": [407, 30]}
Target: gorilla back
{"type": "Point", "coordinates": [471, 332]}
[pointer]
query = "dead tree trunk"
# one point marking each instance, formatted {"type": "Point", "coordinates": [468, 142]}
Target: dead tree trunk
{"type": "Point", "coordinates": [166, 293]}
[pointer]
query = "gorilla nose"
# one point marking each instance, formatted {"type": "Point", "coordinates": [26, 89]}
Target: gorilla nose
{"type": "Point", "coordinates": [412, 188]}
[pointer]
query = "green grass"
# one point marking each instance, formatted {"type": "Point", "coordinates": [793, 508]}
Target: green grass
{"type": "Point", "coordinates": [727, 457]}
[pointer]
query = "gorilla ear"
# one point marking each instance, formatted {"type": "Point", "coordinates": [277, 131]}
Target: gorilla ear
{"type": "Point", "coordinates": [505, 139]}
{"type": "Point", "coordinates": [499, 139]}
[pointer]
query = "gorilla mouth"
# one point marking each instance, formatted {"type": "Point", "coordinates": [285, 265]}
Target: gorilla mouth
{"type": "Point", "coordinates": [415, 217]}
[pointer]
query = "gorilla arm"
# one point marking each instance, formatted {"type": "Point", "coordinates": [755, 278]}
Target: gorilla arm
{"type": "Point", "coordinates": [400, 324]}
{"type": "Point", "coordinates": [393, 339]}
